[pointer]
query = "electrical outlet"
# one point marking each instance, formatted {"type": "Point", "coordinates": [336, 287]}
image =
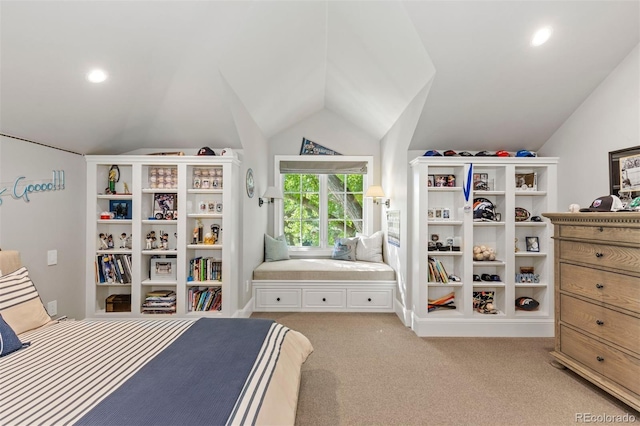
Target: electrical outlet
{"type": "Point", "coordinates": [52, 308]}
{"type": "Point", "coordinates": [52, 257]}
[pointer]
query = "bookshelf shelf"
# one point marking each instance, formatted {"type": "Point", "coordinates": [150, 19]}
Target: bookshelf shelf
{"type": "Point", "coordinates": [166, 224]}
{"type": "Point", "coordinates": [429, 205]}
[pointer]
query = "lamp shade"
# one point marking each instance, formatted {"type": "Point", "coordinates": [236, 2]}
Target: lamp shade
{"type": "Point", "coordinates": [375, 191]}
{"type": "Point", "coordinates": [273, 192]}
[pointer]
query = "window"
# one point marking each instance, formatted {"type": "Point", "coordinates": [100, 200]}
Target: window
{"type": "Point", "coordinates": [323, 200]}
{"type": "Point", "coordinates": [319, 208]}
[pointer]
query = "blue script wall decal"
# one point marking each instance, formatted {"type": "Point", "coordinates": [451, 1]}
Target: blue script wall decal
{"type": "Point", "coordinates": [22, 191]}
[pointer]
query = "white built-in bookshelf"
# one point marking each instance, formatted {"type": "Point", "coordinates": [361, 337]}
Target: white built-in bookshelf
{"type": "Point", "coordinates": [174, 227]}
{"type": "Point", "coordinates": [443, 214]}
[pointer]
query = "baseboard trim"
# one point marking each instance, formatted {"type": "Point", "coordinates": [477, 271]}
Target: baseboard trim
{"type": "Point", "coordinates": [482, 328]}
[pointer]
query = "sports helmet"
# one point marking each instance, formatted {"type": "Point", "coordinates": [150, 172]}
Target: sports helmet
{"type": "Point", "coordinates": [525, 153]}
{"type": "Point", "coordinates": [483, 209]}
{"type": "Point", "coordinates": [432, 153]}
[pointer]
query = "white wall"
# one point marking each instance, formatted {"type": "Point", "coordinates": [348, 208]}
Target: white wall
{"type": "Point", "coordinates": [607, 120]}
{"type": "Point", "coordinates": [254, 218]}
{"type": "Point", "coordinates": [395, 178]}
{"type": "Point", "coordinates": [53, 220]}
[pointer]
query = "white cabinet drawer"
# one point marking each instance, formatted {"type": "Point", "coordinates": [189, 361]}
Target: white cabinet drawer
{"type": "Point", "coordinates": [370, 298]}
{"type": "Point", "coordinates": [323, 298]}
{"type": "Point", "coordinates": [276, 298]}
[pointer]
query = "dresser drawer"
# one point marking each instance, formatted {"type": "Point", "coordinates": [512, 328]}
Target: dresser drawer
{"type": "Point", "coordinates": [600, 233]}
{"type": "Point", "coordinates": [621, 329]}
{"type": "Point", "coordinates": [615, 289]}
{"type": "Point", "coordinates": [279, 299]}
{"type": "Point", "coordinates": [323, 298]}
{"type": "Point", "coordinates": [625, 258]}
{"type": "Point", "coordinates": [370, 299]}
{"type": "Point", "coordinates": [613, 364]}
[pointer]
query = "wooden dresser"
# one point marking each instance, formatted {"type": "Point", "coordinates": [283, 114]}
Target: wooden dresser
{"type": "Point", "coordinates": [597, 299]}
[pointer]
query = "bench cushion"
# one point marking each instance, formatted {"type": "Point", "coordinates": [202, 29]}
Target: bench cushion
{"type": "Point", "coordinates": [324, 270]}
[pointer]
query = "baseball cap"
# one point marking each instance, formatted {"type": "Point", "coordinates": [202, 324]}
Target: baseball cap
{"type": "Point", "coordinates": [503, 153]}
{"type": "Point", "coordinates": [432, 153]}
{"type": "Point", "coordinates": [465, 154]}
{"type": "Point", "coordinates": [484, 154]}
{"type": "Point", "coordinates": [450, 153]}
{"type": "Point", "coordinates": [525, 153]}
{"type": "Point", "coordinates": [527, 303]}
{"type": "Point", "coordinates": [606, 203]}
{"type": "Point", "coordinates": [205, 151]}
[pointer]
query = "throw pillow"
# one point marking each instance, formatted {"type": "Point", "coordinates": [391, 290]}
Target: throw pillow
{"type": "Point", "coordinates": [275, 248]}
{"type": "Point", "coordinates": [345, 249]}
{"type": "Point", "coordinates": [369, 248]}
{"type": "Point", "coordinates": [9, 342]}
{"type": "Point", "coordinates": [20, 303]}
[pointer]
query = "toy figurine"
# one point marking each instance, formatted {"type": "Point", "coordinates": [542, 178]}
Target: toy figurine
{"type": "Point", "coordinates": [149, 240]}
{"type": "Point", "coordinates": [110, 243]}
{"type": "Point", "coordinates": [114, 176]}
{"type": "Point", "coordinates": [123, 240]}
{"type": "Point", "coordinates": [103, 241]}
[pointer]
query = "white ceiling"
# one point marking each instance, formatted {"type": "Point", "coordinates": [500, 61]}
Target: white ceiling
{"type": "Point", "coordinates": [172, 63]}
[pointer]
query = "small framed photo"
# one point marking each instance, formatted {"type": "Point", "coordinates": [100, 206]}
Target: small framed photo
{"type": "Point", "coordinates": [121, 209]}
{"type": "Point", "coordinates": [481, 182]}
{"type": "Point", "coordinates": [431, 181]}
{"type": "Point", "coordinates": [431, 213]}
{"type": "Point", "coordinates": [533, 244]}
{"type": "Point", "coordinates": [163, 269]}
{"type": "Point", "coordinates": [443, 181]}
{"type": "Point", "coordinates": [526, 181]}
{"type": "Point", "coordinates": [165, 206]}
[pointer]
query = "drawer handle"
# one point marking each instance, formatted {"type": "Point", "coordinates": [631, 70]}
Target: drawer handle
{"type": "Point", "coordinates": [324, 299]}
{"type": "Point", "coordinates": [599, 255]}
{"type": "Point", "coordinates": [599, 322]}
{"type": "Point", "coordinates": [277, 299]}
{"type": "Point", "coordinates": [600, 229]}
{"type": "Point", "coordinates": [369, 299]}
{"type": "Point", "coordinates": [599, 285]}
{"type": "Point", "coordinates": [599, 358]}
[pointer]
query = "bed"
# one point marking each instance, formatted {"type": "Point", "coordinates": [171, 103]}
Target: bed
{"type": "Point", "coordinates": [206, 371]}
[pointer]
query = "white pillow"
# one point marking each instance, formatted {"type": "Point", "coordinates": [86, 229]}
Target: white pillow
{"type": "Point", "coordinates": [369, 249]}
{"type": "Point", "coordinates": [345, 249]}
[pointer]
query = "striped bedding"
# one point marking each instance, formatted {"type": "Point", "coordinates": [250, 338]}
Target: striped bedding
{"type": "Point", "coordinates": [107, 372]}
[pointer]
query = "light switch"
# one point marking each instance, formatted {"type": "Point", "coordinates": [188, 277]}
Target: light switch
{"type": "Point", "coordinates": [52, 257]}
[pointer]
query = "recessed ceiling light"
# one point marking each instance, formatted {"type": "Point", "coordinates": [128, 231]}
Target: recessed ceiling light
{"type": "Point", "coordinates": [541, 36]}
{"type": "Point", "coordinates": [97, 76]}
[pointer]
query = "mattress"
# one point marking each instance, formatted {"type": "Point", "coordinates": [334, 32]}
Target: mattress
{"type": "Point", "coordinates": [161, 372]}
{"type": "Point", "coordinates": [324, 270]}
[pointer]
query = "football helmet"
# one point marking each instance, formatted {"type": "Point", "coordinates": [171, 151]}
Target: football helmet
{"type": "Point", "coordinates": [483, 209]}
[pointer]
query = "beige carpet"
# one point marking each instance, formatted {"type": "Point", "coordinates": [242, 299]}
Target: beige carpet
{"type": "Point", "coordinates": [368, 369]}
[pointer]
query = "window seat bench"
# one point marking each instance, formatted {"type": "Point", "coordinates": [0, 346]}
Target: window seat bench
{"type": "Point", "coordinates": [328, 285]}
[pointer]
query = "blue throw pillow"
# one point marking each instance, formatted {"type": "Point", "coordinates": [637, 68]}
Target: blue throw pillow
{"type": "Point", "coordinates": [345, 249]}
{"type": "Point", "coordinates": [275, 248]}
{"type": "Point", "coordinates": [9, 341]}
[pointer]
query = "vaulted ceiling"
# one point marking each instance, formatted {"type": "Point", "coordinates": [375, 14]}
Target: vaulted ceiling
{"type": "Point", "coordinates": [171, 65]}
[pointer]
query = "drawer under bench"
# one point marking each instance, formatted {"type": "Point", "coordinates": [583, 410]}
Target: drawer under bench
{"type": "Point", "coordinates": [323, 296]}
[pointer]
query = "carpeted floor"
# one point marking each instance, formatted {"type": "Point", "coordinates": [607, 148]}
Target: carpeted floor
{"type": "Point", "coordinates": [368, 369]}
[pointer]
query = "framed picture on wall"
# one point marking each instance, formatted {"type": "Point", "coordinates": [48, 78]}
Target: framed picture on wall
{"type": "Point", "coordinates": [615, 176]}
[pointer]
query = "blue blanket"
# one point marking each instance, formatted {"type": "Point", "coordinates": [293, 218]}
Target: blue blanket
{"type": "Point", "coordinates": [195, 381]}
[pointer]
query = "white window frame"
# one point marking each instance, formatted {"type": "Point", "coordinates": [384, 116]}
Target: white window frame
{"type": "Point", "coordinates": [367, 208]}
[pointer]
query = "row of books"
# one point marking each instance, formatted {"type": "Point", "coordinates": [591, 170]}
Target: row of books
{"type": "Point", "coordinates": [437, 272]}
{"type": "Point", "coordinates": [209, 299]}
{"type": "Point", "coordinates": [113, 268]}
{"type": "Point", "coordinates": [205, 269]}
{"type": "Point", "coordinates": [159, 302]}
